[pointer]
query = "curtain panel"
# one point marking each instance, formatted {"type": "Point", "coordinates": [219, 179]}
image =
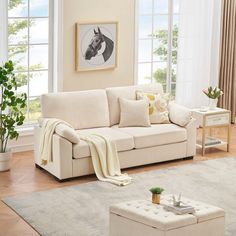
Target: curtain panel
{"type": "Point", "coordinates": [198, 50]}
{"type": "Point", "coordinates": [227, 74]}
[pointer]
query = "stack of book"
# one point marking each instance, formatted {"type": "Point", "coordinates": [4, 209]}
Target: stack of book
{"type": "Point", "coordinates": [180, 210]}
{"type": "Point", "coordinates": [210, 141]}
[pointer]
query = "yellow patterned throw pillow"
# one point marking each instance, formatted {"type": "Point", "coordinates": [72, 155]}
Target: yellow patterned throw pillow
{"type": "Point", "coordinates": [158, 106]}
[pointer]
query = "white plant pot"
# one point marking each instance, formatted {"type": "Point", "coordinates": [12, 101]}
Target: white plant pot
{"type": "Point", "coordinates": [5, 158]}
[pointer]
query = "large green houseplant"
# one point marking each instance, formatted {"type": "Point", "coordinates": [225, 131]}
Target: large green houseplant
{"type": "Point", "coordinates": [12, 105]}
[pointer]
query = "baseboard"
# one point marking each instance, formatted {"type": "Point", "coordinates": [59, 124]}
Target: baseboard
{"type": "Point", "coordinates": [22, 148]}
{"type": "Point", "coordinates": [25, 142]}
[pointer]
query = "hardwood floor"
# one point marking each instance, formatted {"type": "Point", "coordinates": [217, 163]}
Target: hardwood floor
{"type": "Point", "coordinates": [25, 178]}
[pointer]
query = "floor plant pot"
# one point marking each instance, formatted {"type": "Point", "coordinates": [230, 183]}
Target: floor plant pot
{"type": "Point", "coordinates": [156, 198]}
{"type": "Point", "coordinates": [5, 158]}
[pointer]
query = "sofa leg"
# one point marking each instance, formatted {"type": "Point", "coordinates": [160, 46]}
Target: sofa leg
{"type": "Point", "coordinates": [188, 158]}
{"type": "Point", "coordinates": [59, 180]}
{"type": "Point", "coordinates": [38, 167]}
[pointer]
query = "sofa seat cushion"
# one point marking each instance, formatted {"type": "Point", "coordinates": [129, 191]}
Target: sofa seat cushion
{"type": "Point", "coordinates": [157, 134]}
{"type": "Point", "coordinates": [122, 140]}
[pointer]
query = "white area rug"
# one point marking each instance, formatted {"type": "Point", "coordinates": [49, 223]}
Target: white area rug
{"type": "Point", "coordinates": [82, 210]}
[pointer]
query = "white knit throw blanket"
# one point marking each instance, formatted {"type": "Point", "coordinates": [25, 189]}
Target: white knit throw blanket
{"type": "Point", "coordinates": [105, 159]}
{"type": "Point", "coordinates": [45, 143]}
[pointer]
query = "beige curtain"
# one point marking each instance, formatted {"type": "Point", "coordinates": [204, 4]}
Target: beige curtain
{"type": "Point", "coordinates": [227, 73]}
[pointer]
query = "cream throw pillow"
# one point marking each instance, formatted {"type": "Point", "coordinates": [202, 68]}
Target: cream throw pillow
{"type": "Point", "coordinates": [158, 106]}
{"type": "Point", "coordinates": [134, 113]}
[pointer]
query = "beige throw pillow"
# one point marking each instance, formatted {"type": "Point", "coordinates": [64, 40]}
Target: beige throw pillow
{"type": "Point", "coordinates": [158, 106]}
{"type": "Point", "coordinates": [134, 113]}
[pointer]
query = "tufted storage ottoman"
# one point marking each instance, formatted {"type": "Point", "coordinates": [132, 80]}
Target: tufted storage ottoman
{"type": "Point", "coordinates": [142, 218]}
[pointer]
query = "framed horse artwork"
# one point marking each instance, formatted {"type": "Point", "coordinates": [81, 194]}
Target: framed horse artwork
{"type": "Point", "coordinates": [96, 45]}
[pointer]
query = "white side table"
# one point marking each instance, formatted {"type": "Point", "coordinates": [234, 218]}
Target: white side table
{"type": "Point", "coordinates": [212, 119]}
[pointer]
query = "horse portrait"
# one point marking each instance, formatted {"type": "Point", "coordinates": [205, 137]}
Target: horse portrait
{"type": "Point", "coordinates": [96, 46]}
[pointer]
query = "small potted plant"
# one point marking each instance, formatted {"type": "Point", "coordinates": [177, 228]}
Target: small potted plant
{"type": "Point", "coordinates": [213, 94]}
{"type": "Point", "coordinates": [156, 194]}
{"type": "Point", "coordinates": [11, 112]}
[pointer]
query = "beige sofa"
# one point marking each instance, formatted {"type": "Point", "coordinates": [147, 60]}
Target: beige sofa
{"type": "Point", "coordinates": [97, 111]}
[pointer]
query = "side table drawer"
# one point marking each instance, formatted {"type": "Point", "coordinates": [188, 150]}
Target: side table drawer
{"type": "Point", "coordinates": [218, 119]}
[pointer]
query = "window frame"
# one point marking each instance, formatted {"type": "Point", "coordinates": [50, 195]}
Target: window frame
{"type": "Point", "coordinates": [50, 44]}
{"type": "Point", "coordinates": [3, 31]}
{"type": "Point", "coordinates": [171, 14]}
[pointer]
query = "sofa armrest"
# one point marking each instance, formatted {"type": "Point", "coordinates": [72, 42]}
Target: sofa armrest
{"type": "Point", "coordinates": [61, 166]}
{"type": "Point", "coordinates": [64, 130]}
{"type": "Point", "coordinates": [179, 115]}
{"type": "Point", "coordinates": [67, 132]}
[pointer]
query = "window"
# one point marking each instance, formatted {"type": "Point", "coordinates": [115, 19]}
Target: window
{"type": "Point", "coordinates": [29, 47]}
{"type": "Point", "coordinates": [157, 42]}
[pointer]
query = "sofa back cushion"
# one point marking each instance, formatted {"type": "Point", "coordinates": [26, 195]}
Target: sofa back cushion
{"type": "Point", "coordinates": [128, 92]}
{"type": "Point", "coordinates": [150, 88]}
{"type": "Point", "coordinates": [82, 109]}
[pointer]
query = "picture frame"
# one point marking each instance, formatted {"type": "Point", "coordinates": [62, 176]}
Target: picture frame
{"type": "Point", "coordinates": [96, 45]}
